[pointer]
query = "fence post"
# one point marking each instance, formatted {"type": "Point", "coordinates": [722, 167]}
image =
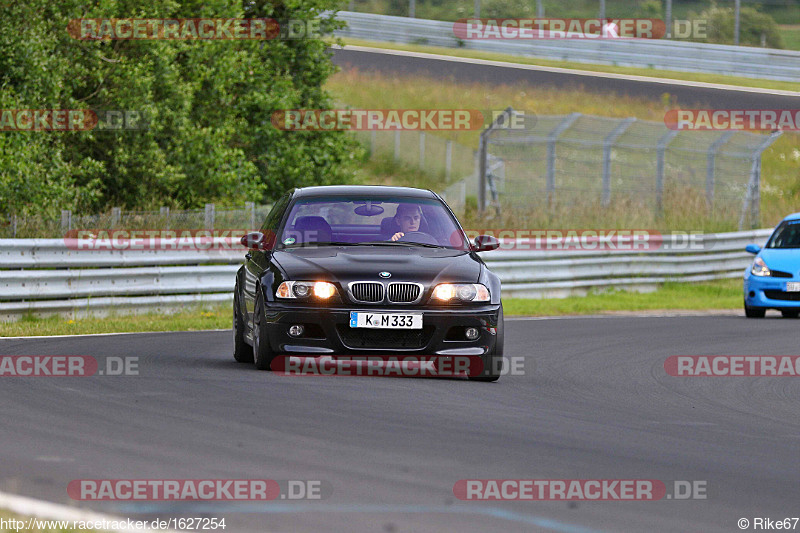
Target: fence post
{"type": "Point", "coordinates": [164, 212]}
{"type": "Point", "coordinates": [421, 150]}
{"type": "Point", "coordinates": [116, 214]}
{"type": "Point", "coordinates": [608, 144]}
{"type": "Point", "coordinates": [711, 164]}
{"type": "Point", "coordinates": [753, 198]}
{"type": "Point", "coordinates": [396, 145]}
{"type": "Point", "coordinates": [663, 142]}
{"type": "Point", "coordinates": [14, 226]}
{"type": "Point", "coordinates": [250, 208]}
{"type": "Point", "coordinates": [66, 220]}
{"type": "Point", "coordinates": [552, 137]}
{"type": "Point", "coordinates": [483, 155]}
{"type": "Point", "coordinates": [448, 159]}
{"type": "Point", "coordinates": [209, 219]}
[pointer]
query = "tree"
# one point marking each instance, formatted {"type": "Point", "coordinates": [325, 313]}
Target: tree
{"type": "Point", "coordinates": [208, 106]}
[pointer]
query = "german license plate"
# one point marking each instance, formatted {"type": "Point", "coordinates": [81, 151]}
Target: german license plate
{"type": "Point", "coordinates": [385, 320]}
{"type": "Point", "coordinates": [793, 286]}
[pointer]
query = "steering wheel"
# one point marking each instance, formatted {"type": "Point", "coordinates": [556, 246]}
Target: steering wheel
{"type": "Point", "coordinates": [418, 236]}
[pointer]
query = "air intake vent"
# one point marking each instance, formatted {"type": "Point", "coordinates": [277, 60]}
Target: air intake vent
{"type": "Point", "coordinates": [367, 291]}
{"type": "Point", "coordinates": [404, 293]}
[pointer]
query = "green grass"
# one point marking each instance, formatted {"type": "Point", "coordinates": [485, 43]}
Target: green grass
{"type": "Point", "coordinates": [790, 33]}
{"type": "Point", "coordinates": [631, 71]}
{"type": "Point", "coordinates": [685, 209]}
{"type": "Point", "coordinates": [721, 294]}
{"type": "Point", "coordinates": [194, 319]}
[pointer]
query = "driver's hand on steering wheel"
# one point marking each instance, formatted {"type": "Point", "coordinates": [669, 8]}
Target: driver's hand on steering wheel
{"type": "Point", "coordinates": [397, 235]}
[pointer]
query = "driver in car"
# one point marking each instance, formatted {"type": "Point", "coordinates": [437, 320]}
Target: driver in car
{"type": "Point", "coordinates": [408, 218]}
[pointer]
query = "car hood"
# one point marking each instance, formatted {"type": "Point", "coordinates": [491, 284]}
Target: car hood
{"type": "Point", "coordinates": [785, 259]}
{"type": "Point", "coordinates": [404, 263]}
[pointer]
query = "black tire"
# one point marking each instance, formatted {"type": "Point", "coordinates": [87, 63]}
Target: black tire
{"type": "Point", "coordinates": [790, 314]}
{"type": "Point", "coordinates": [241, 351]}
{"type": "Point", "coordinates": [754, 312]}
{"type": "Point", "coordinates": [493, 361]}
{"type": "Point", "coordinates": [262, 351]}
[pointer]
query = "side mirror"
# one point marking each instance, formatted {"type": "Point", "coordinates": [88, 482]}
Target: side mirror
{"type": "Point", "coordinates": [486, 243]}
{"type": "Point", "coordinates": [253, 240]}
{"type": "Point", "coordinates": [752, 248]}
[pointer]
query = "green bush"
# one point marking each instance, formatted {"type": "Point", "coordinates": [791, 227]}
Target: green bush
{"type": "Point", "coordinates": [752, 25]}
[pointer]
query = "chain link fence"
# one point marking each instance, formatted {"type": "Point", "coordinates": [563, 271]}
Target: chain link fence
{"type": "Point", "coordinates": [581, 166]}
{"type": "Point", "coordinates": [249, 217]}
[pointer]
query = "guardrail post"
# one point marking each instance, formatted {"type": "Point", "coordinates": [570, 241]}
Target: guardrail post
{"type": "Point", "coordinates": [14, 226]}
{"type": "Point", "coordinates": [448, 159]}
{"type": "Point", "coordinates": [608, 144]}
{"type": "Point", "coordinates": [421, 150]}
{"type": "Point", "coordinates": [66, 220]}
{"type": "Point", "coordinates": [663, 142]}
{"type": "Point", "coordinates": [711, 162]}
{"type": "Point", "coordinates": [250, 209]}
{"type": "Point", "coordinates": [552, 137]}
{"type": "Point", "coordinates": [210, 215]}
{"type": "Point", "coordinates": [116, 214]}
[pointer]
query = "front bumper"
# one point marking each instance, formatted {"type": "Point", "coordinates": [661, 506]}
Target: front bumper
{"type": "Point", "coordinates": [769, 292]}
{"type": "Point", "coordinates": [328, 331]}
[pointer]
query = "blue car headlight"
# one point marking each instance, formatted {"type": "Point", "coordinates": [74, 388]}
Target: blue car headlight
{"type": "Point", "coordinates": [760, 268]}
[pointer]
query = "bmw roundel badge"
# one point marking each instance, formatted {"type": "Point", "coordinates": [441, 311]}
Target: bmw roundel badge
{"type": "Point", "coordinates": [385, 274]}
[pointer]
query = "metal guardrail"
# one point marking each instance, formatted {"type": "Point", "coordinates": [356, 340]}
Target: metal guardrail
{"type": "Point", "coordinates": [764, 63]}
{"type": "Point", "coordinates": [557, 274]}
{"type": "Point", "coordinates": [45, 277]}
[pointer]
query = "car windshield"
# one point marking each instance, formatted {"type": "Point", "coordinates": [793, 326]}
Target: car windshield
{"type": "Point", "coordinates": [373, 220]}
{"type": "Point", "coordinates": [786, 235]}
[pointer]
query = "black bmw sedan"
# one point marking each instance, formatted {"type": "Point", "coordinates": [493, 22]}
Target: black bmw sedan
{"type": "Point", "coordinates": [356, 270]}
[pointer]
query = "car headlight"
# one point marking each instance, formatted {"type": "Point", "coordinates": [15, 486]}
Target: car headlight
{"type": "Point", "coordinates": [760, 268]}
{"type": "Point", "coordinates": [321, 290]}
{"type": "Point", "coordinates": [461, 292]}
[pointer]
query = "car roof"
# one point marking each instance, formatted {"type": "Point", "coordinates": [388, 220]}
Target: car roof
{"type": "Point", "coordinates": [365, 190]}
{"type": "Point", "coordinates": [793, 216]}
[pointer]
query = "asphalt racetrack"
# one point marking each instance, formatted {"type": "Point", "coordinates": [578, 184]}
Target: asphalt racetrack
{"type": "Point", "coordinates": [463, 70]}
{"type": "Point", "coordinates": [594, 402]}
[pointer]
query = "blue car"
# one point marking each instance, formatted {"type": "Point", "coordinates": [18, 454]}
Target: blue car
{"type": "Point", "coordinates": [773, 280]}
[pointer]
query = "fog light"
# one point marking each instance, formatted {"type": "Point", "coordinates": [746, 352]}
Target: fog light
{"type": "Point", "coordinates": [296, 330]}
{"type": "Point", "coordinates": [471, 333]}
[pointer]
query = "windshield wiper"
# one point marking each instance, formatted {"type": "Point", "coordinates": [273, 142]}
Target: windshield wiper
{"type": "Point", "coordinates": [403, 243]}
{"type": "Point", "coordinates": [335, 243]}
